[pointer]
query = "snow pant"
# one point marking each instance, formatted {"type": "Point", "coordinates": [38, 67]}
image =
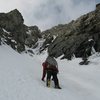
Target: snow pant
{"type": "Point", "coordinates": [54, 75]}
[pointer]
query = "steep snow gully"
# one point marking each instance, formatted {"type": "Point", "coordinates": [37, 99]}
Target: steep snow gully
{"type": "Point", "coordinates": [20, 78]}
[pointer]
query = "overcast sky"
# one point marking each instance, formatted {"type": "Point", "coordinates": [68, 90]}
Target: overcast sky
{"type": "Point", "coordinates": [48, 13]}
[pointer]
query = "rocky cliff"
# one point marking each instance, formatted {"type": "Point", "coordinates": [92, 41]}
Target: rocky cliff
{"type": "Point", "coordinates": [15, 33]}
{"type": "Point", "coordinates": [68, 39]}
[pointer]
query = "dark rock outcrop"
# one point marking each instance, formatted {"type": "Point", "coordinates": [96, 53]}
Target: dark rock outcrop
{"type": "Point", "coordinates": [70, 37]}
{"type": "Point", "coordinates": [15, 33]}
{"type": "Point", "coordinates": [11, 20]}
{"type": "Point", "coordinates": [67, 39]}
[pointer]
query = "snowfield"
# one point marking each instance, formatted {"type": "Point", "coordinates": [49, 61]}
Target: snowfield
{"type": "Point", "coordinates": [20, 78]}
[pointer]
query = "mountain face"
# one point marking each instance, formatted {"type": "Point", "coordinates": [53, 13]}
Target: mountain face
{"type": "Point", "coordinates": [67, 39]}
{"type": "Point", "coordinates": [15, 33]}
{"type": "Point", "coordinates": [70, 38]}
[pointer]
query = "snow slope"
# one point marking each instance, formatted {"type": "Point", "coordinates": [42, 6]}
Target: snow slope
{"type": "Point", "coordinates": [20, 78]}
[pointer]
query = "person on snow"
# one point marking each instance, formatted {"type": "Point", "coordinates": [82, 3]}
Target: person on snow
{"type": "Point", "coordinates": [52, 70]}
{"type": "Point", "coordinates": [44, 64]}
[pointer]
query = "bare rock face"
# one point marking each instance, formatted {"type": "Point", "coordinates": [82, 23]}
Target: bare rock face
{"type": "Point", "coordinates": [15, 33]}
{"type": "Point", "coordinates": [11, 20]}
{"type": "Point", "coordinates": [32, 38]}
{"type": "Point", "coordinates": [68, 39]}
{"type": "Point", "coordinates": [71, 37]}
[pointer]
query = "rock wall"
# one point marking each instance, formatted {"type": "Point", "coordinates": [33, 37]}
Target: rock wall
{"type": "Point", "coordinates": [15, 33]}
{"type": "Point", "coordinates": [70, 37]}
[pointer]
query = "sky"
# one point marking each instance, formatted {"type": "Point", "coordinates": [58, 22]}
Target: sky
{"type": "Point", "coordinates": [97, 1]}
{"type": "Point", "coordinates": [48, 13]}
